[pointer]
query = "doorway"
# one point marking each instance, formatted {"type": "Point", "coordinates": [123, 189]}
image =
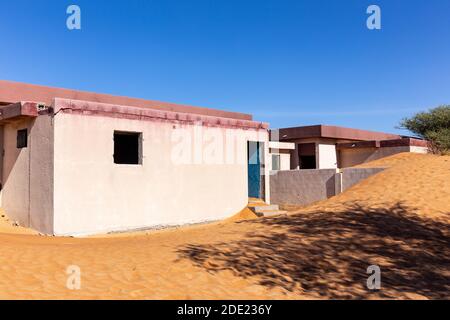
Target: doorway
{"type": "Point", "coordinates": [255, 156]}
{"type": "Point", "coordinates": [307, 155]}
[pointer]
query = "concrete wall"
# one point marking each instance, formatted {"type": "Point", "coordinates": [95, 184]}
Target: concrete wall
{"type": "Point", "coordinates": [92, 194]}
{"type": "Point", "coordinates": [16, 174]}
{"type": "Point", "coordinates": [27, 174]}
{"type": "Point", "coordinates": [41, 174]}
{"type": "Point", "coordinates": [353, 157]}
{"type": "Point", "coordinates": [326, 155]}
{"type": "Point", "coordinates": [352, 176]}
{"type": "Point", "coordinates": [302, 187]}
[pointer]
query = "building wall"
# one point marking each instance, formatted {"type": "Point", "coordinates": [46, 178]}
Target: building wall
{"type": "Point", "coordinates": [353, 157]}
{"type": "Point", "coordinates": [41, 174]}
{"type": "Point", "coordinates": [326, 155]}
{"type": "Point", "coordinates": [351, 176]}
{"type": "Point", "coordinates": [282, 150]}
{"type": "Point", "coordinates": [92, 194]}
{"type": "Point", "coordinates": [302, 187]}
{"type": "Point", "coordinates": [16, 174]}
{"type": "Point", "coordinates": [416, 149]}
{"type": "Point", "coordinates": [285, 159]}
{"type": "Point", "coordinates": [27, 174]}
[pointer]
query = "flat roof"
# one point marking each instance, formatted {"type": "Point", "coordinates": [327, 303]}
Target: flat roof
{"type": "Point", "coordinates": [403, 142]}
{"type": "Point", "coordinates": [332, 132]}
{"type": "Point", "coordinates": [13, 92]}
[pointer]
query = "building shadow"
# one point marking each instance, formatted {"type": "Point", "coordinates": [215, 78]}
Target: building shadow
{"type": "Point", "coordinates": [327, 254]}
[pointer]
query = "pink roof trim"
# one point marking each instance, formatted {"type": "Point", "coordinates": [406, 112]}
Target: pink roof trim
{"type": "Point", "coordinates": [135, 113]}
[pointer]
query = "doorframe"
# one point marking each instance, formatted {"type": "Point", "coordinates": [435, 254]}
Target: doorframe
{"type": "Point", "coordinates": [260, 145]}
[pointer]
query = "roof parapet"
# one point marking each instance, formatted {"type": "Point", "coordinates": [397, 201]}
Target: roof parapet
{"type": "Point", "coordinates": [135, 113]}
{"type": "Point", "coordinates": [20, 110]}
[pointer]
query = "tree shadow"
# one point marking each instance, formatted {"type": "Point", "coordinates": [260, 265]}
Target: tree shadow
{"type": "Point", "coordinates": [327, 254]}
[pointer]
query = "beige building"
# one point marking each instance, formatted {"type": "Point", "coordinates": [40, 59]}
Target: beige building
{"type": "Point", "coordinates": [332, 147]}
{"type": "Point", "coordinates": [78, 163]}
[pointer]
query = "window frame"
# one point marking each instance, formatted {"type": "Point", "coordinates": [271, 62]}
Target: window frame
{"type": "Point", "coordinates": [278, 157]}
{"type": "Point", "coordinates": [140, 155]}
{"type": "Point", "coordinates": [22, 140]}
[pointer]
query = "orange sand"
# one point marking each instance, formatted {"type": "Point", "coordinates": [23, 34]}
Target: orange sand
{"type": "Point", "coordinates": [245, 214]}
{"type": "Point", "coordinates": [420, 182]}
{"type": "Point", "coordinates": [398, 219]}
{"type": "Point", "coordinates": [6, 226]}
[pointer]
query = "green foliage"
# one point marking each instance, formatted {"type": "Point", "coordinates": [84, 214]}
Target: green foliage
{"type": "Point", "coordinates": [440, 139]}
{"type": "Point", "coordinates": [434, 126]}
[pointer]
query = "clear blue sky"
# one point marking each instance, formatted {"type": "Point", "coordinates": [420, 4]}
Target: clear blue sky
{"type": "Point", "coordinates": [287, 62]}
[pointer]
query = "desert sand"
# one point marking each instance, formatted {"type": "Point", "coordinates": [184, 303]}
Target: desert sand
{"type": "Point", "coordinates": [398, 219]}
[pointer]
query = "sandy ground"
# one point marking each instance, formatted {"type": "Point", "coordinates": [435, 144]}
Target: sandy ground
{"type": "Point", "coordinates": [398, 220]}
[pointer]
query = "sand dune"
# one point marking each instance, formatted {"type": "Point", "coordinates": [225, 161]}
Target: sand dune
{"type": "Point", "coordinates": [398, 219]}
{"type": "Point", "coordinates": [420, 182]}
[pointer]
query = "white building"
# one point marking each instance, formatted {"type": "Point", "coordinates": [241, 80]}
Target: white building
{"type": "Point", "coordinates": [77, 163]}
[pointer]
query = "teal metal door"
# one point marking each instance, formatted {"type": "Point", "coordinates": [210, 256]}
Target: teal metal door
{"type": "Point", "coordinates": [254, 169]}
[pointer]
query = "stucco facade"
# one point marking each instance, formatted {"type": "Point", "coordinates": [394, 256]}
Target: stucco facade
{"type": "Point", "coordinates": [326, 155]}
{"type": "Point", "coordinates": [193, 167]}
{"type": "Point", "coordinates": [331, 147]}
{"type": "Point", "coordinates": [280, 155]}
{"type": "Point", "coordinates": [27, 174]}
{"type": "Point", "coordinates": [93, 194]}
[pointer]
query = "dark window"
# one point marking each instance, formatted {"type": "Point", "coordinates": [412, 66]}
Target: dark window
{"type": "Point", "coordinates": [307, 162]}
{"type": "Point", "coordinates": [127, 147]}
{"type": "Point", "coordinates": [307, 155]}
{"type": "Point", "coordinates": [22, 138]}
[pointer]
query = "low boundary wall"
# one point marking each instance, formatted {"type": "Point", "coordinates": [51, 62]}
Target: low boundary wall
{"type": "Point", "coordinates": [352, 176]}
{"type": "Point", "coordinates": [303, 187]}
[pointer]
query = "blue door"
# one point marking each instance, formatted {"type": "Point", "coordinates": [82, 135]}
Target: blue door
{"type": "Point", "coordinates": [254, 169]}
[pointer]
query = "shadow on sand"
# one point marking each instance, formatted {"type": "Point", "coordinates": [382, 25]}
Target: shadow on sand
{"type": "Point", "coordinates": [327, 254]}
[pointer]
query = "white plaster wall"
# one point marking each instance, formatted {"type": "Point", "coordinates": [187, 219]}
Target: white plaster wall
{"type": "Point", "coordinates": [327, 156]}
{"type": "Point", "coordinates": [285, 161]}
{"type": "Point", "coordinates": [16, 173]}
{"type": "Point", "coordinates": [27, 194]}
{"type": "Point", "coordinates": [415, 149]}
{"type": "Point", "coordinates": [94, 195]}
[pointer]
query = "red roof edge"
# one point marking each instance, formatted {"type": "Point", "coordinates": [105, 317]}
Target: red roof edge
{"type": "Point", "coordinates": [19, 110]}
{"type": "Point", "coordinates": [404, 142]}
{"type": "Point", "coordinates": [333, 132]}
{"type": "Point", "coordinates": [11, 92]}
